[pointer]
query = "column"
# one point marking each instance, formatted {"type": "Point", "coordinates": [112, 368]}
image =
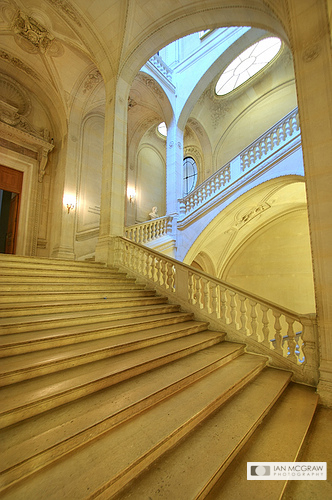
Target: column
{"type": "Point", "coordinates": [113, 195]}
{"type": "Point", "coordinates": [311, 46]}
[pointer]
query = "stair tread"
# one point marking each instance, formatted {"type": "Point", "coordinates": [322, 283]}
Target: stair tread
{"type": "Point", "coordinates": [118, 402]}
{"type": "Point", "coordinates": [34, 390]}
{"type": "Point", "coordinates": [278, 440]}
{"type": "Point", "coordinates": [33, 308]}
{"type": "Point", "coordinates": [137, 440]}
{"type": "Point", "coordinates": [111, 313]}
{"type": "Point", "coordinates": [69, 331]}
{"type": "Point", "coordinates": [55, 355]}
{"type": "Point", "coordinates": [186, 470]}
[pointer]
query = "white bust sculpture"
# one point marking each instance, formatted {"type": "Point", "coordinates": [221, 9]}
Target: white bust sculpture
{"type": "Point", "coordinates": [154, 213]}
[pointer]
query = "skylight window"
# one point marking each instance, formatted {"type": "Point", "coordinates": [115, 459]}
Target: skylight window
{"type": "Point", "coordinates": [247, 64]}
{"type": "Point", "coordinates": [162, 129]}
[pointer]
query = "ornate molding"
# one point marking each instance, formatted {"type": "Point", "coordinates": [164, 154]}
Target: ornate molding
{"type": "Point", "coordinates": [242, 220]}
{"type": "Point", "coordinates": [67, 9]}
{"type": "Point", "coordinates": [92, 80]}
{"type": "Point", "coordinates": [18, 64]}
{"type": "Point", "coordinates": [33, 32]}
{"type": "Point", "coordinates": [152, 85]}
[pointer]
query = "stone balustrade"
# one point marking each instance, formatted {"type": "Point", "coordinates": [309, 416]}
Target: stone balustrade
{"type": "Point", "coordinates": [158, 62]}
{"type": "Point", "coordinates": [268, 144]}
{"type": "Point", "coordinates": [150, 230]}
{"type": "Point", "coordinates": [288, 339]}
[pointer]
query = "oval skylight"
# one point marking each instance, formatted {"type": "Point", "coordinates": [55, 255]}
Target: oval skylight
{"type": "Point", "coordinates": [247, 64]}
{"type": "Point", "coordinates": [162, 129]}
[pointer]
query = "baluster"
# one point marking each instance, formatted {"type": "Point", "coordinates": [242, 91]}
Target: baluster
{"type": "Point", "coordinates": [268, 143]}
{"type": "Point", "coordinates": [223, 304]}
{"type": "Point", "coordinates": [291, 340]}
{"type": "Point", "coordinates": [218, 181]}
{"type": "Point", "coordinates": [208, 190]}
{"type": "Point", "coordinates": [265, 337]}
{"type": "Point", "coordinates": [278, 335]}
{"type": "Point", "coordinates": [212, 186]}
{"type": "Point", "coordinates": [206, 304]}
{"type": "Point", "coordinates": [227, 174]}
{"type": "Point", "coordinates": [258, 152]}
{"type": "Point", "coordinates": [214, 301]}
{"type": "Point", "coordinates": [191, 288]}
{"type": "Point", "coordinates": [163, 273]}
{"type": "Point", "coordinates": [198, 291]}
{"type": "Point", "coordinates": [192, 202]}
{"type": "Point", "coordinates": [169, 279]}
{"type": "Point", "coordinates": [275, 138]}
{"type": "Point", "coordinates": [203, 193]}
{"type": "Point", "coordinates": [254, 323]}
{"type": "Point", "coordinates": [233, 306]}
{"type": "Point", "coordinates": [243, 315]}
{"type": "Point", "coordinates": [195, 199]}
{"type": "Point", "coordinates": [157, 270]}
{"type": "Point", "coordinates": [199, 196]}
{"type": "Point", "coordinates": [288, 132]}
{"type": "Point", "coordinates": [251, 157]}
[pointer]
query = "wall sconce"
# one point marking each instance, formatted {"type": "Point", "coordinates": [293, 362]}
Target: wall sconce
{"type": "Point", "coordinates": [69, 202]}
{"type": "Point", "coordinates": [131, 193]}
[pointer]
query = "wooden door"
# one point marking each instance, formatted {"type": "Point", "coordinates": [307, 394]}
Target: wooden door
{"type": "Point", "coordinates": [12, 224]}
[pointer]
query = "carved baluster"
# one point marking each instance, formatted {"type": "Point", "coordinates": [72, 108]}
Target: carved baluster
{"type": "Point", "coordinates": [214, 300]}
{"type": "Point", "coordinates": [233, 311]}
{"type": "Point", "coordinates": [277, 335]}
{"type": "Point", "coordinates": [243, 315]}
{"type": "Point", "coordinates": [206, 298]}
{"type": "Point", "coordinates": [288, 132]}
{"type": "Point", "coordinates": [182, 207]}
{"type": "Point", "coordinates": [275, 138]}
{"type": "Point", "coordinates": [198, 291]}
{"type": "Point", "coordinates": [257, 151]}
{"type": "Point", "coordinates": [291, 340]}
{"type": "Point", "coordinates": [191, 290]}
{"type": "Point", "coordinates": [251, 157]}
{"type": "Point", "coordinates": [208, 190]}
{"type": "Point", "coordinates": [212, 186]}
{"type": "Point", "coordinates": [254, 323]}
{"type": "Point", "coordinates": [268, 143]}
{"type": "Point", "coordinates": [265, 338]}
{"type": "Point", "coordinates": [195, 199]}
{"type": "Point", "coordinates": [163, 273]}
{"type": "Point", "coordinates": [223, 304]}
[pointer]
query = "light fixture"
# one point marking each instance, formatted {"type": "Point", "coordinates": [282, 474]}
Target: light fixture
{"type": "Point", "coordinates": [131, 193]}
{"type": "Point", "coordinates": [69, 202]}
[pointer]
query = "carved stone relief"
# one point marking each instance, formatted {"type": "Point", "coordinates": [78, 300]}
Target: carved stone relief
{"type": "Point", "coordinates": [15, 61]}
{"type": "Point", "coordinates": [92, 80]}
{"type": "Point", "coordinates": [152, 85]}
{"type": "Point", "coordinates": [67, 9]}
{"type": "Point", "coordinates": [36, 36]}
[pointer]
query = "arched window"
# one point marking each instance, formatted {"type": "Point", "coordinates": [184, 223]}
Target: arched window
{"type": "Point", "coordinates": [189, 175]}
{"type": "Point", "coordinates": [247, 64]}
{"type": "Point", "coordinates": [162, 129]}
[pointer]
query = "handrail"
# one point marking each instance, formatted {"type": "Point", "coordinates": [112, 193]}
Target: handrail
{"type": "Point", "coordinates": [286, 337]}
{"type": "Point", "coordinates": [266, 145]}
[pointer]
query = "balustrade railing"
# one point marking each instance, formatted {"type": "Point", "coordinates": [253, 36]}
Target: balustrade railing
{"type": "Point", "coordinates": [287, 338]}
{"type": "Point", "coordinates": [269, 143]}
{"type": "Point", "coordinates": [151, 230]}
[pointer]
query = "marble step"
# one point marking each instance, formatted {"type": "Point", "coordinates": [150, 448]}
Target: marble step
{"type": "Point", "coordinates": [32, 308]}
{"type": "Point", "coordinates": [104, 466]}
{"type": "Point", "coordinates": [33, 341]}
{"type": "Point", "coordinates": [8, 260]}
{"type": "Point", "coordinates": [57, 320]}
{"type": "Point", "coordinates": [189, 469]}
{"type": "Point", "coordinates": [63, 295]}
{"type": "Point", "coordinates": [38, 442]}
{"type": "Point", "coordinates": [36, 271]}
{"type": "Point", "coordinates": [34, 364]}
{"type": "Point", "coordinates": [278, 439]}
{"type": "Point", "coordinates": [87, 285]}
{"type": "Point", "coordinates": [66, 279]}
{"type": "Point", "coordinates": [31, 397]}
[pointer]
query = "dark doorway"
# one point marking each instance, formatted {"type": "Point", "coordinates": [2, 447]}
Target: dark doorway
{"type": "Point", "coordinates": [10, 194]}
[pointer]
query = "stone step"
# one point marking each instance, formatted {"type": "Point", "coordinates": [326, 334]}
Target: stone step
{"type": "Point", "coordinates": [38, 442]}
{"type": "Point", "coordinates": [13, 310]}
{"type": "Point", "coordinates": [34, 364]}
{"type": "Point", "coordinates": [24, 342]}
{"type": "Point", "coordinates": [189, 469]}
{"type": "Point", "coordinates": [92, 471]}
{"type": "Point", "coordinates": [8, 260]}
{"type": "Point", "coordinates": [50, 321]}
{"type": "Point", "coordinates": [278, 439]}
{"type": "Point", "coordinates": [36, 271]}
{"type": "Point", "coordinates": [6, 280]}
{"type": "Point", "coordinates": [51, 286]}
{"type": "Point", "coordinates": [61, 295]}
{"type": "Point", "coordinates": [32, 397]}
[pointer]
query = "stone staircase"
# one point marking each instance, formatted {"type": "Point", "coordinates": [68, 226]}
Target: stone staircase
{"type": "Point", "coordinates": [108, 391]}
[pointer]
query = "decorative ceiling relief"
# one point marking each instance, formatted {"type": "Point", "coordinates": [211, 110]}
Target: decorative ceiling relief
{"type": "Point", "coordinates": [151, 84]}
{"type": "Point", "coordinates": [15, 106]}
{"type": "Point", "coordinates": [243, 219]}
{"type": "Point", "coordinates": [36, 36]}
{"type": "Point", "coordinates": [15, 61]}
{"type": "Point", "coordinates": [92, 80]}
{"type": "Point", "coordinates": [67, 9]}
